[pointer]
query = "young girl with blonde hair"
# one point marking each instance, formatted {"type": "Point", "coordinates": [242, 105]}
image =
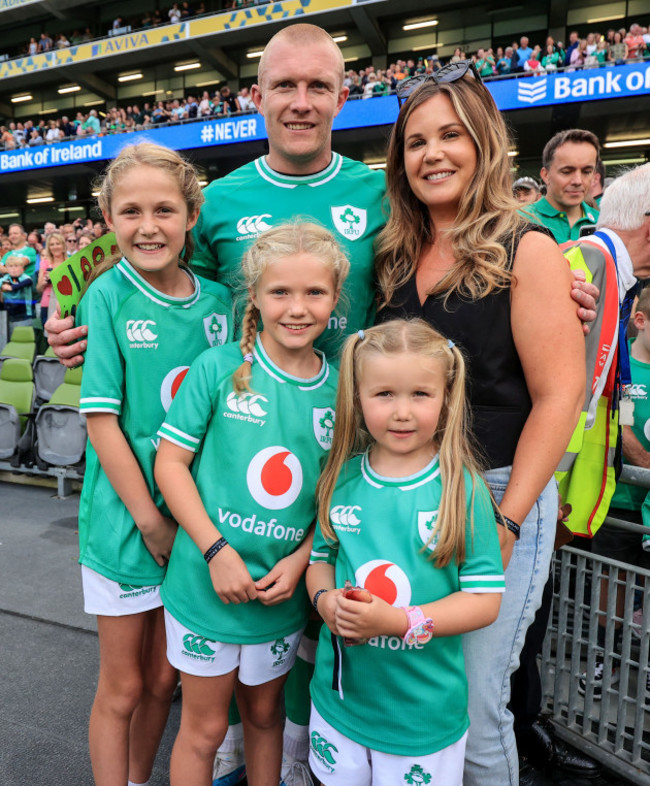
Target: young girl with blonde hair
{"type": "Point", "coordinates": [403, 515]}
{"type": "Point", "coordinates": [240, 455]}
{"type": "Point", "coordinates": [148, 317]}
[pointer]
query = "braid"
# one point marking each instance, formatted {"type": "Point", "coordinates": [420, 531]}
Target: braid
{"type": "Point", "coordinates": [241, 377]}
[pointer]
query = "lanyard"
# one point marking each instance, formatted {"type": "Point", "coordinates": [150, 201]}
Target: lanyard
{"type": "Point", "coordinates": [625, 374]}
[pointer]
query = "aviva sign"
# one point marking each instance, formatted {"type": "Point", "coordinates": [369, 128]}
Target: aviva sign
{"type": "Point", "coordinates": [158, 36]}
{"type": "Point", "coordinates": [6, 5]}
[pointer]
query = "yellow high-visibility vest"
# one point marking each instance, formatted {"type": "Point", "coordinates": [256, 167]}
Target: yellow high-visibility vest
{"type": "Point", "coordinates": [587, 473]}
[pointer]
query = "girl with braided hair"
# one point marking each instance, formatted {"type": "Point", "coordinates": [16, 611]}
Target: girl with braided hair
{"type": "Point", "coordinates": [240, 454]}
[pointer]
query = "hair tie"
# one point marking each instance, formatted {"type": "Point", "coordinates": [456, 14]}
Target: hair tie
{"type": "Point", "coordinates": [450, 343]}
{"type": "Point", "coordinates": [361, 335]}
{"type": "Point", "coordinates": [248, 358]}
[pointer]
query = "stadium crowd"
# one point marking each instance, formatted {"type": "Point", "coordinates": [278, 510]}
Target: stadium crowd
{"type": "Point", "coordinates": [595, 50]}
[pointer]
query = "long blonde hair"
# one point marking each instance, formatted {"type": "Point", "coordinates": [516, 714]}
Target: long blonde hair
{"type": "Point", "coordinates": [159, 157]}
{"type": "Point", "coordinates": [487, 213]}
{"type": "Point", "coordinates": [451, 436]}
{"type": "Point", "coordinates": [280, 242]}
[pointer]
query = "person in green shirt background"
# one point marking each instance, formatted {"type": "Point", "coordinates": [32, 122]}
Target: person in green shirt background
{"type": "Point", "coordinates": [569, 161]}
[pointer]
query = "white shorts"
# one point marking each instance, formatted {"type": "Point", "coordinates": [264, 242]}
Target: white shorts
{"type": "Point", "coordinates": [109, 598]}
{"type": "Point", "coordinates": [194, 654]}
{"type": "Point", "coordinates": [338, 761]}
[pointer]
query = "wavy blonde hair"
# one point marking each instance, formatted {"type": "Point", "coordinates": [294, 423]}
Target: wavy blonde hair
{"type": "Point", "coordinates": [280, 242]}
{"type": "Point", "coordinates": [158, 157]}
{"type": "Point", "coordinates": [451, 437]}
{"type": "Point", "coordinates": [487, 215]}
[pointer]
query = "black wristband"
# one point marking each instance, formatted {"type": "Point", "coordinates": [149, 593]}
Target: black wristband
{"type": "Point", "coordinates": [509, 524]}
{"type": "Point", "coordinates": [314, 602]}
{"type": "Point", "coordinates": [215, 548]}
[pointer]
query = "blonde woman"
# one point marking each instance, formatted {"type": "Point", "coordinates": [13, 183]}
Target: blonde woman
{"type": "Point", "coordinates": [53, 255]}
{"type": "Point", "coordinates": [456, 253]}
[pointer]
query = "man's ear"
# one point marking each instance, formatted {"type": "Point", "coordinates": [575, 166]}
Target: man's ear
{"type": "Point", "coordinates": [256, 96]}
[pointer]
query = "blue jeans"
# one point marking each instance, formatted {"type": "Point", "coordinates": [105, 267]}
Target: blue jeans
{"type": "Point", "coordinates": [492, 653]}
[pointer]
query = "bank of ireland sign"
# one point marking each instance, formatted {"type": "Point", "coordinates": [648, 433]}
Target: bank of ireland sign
{"type": "Point", "coordinates": [589, 84]}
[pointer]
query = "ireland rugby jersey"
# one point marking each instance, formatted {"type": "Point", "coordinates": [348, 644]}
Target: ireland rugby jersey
{"type": "Point", "coordinates": [259, 456]}
{"type": "Point", "coordinates": [346, 198]}
{"type": "Point", "coordinates": [627, 496]}
{"type": "Point", "coordinates": [140, 345]}
{"type": "Point", "coordinates": [383, 525]}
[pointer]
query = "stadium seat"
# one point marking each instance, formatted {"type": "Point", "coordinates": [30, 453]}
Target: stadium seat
{"type": "Point", "coordinates": [48, 375]}
{"type": "Point", "coordinates": [60, 427]}
{"type": "Point", "coordinates": [16, 399]}
{"type": "Point", "coordinates": [21, 344]}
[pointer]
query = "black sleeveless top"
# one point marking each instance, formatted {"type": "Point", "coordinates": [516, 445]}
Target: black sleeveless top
{"type": "Point", "coordinates": [497, 390]}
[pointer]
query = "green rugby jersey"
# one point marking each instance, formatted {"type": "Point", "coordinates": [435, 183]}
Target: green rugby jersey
{"type": "Point", "coordinates": [346, 198]}
{"type": "Point", "coordinates": [383, 525]}
{"type": "Point", "coordinates": [627, 496]}
{"type": "Point", "coordinates": [259, 456]}
{"type": "Point", "coordinates": [140, 345]}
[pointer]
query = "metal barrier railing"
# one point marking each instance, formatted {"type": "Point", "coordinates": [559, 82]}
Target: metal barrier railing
{"type": "Point", "coordinates": [614, 727]}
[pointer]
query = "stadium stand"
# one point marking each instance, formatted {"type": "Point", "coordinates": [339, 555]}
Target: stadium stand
{"type": "Point", "coordinates": [16, 401]}
{"type": "Point", "coordinates": [50, 95]}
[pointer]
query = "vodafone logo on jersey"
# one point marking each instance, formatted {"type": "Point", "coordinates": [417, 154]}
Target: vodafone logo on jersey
{"type": "Point", "coordinates": [274, 477]}
{"type": "Point", "coordinates": [386, 580]}
{"type": "Point", "coordinates": [170, 385]}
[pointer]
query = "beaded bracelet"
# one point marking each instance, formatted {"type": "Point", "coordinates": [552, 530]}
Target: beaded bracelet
{"type": "Point", "coordinates": [215, 548]}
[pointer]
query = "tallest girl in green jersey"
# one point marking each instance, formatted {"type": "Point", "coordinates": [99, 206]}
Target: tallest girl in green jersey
{"type": "Point", "coordinates": [148, 318]}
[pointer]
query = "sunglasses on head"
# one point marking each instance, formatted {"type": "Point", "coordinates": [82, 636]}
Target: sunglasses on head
{"type": "Point", "coordinates": [449, 73]}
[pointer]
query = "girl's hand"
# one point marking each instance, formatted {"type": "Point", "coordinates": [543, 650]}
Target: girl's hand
{"type": "Point", "coordinates": [158, 537]}
{"type": "Point", "coordinates": [357, 620]}
{"type": "Point", "coordinates": [327, 605]}
{"type": "Point", "coordinates": [281, 581]}
{"type": "Point", "coordinates": [230, 577]}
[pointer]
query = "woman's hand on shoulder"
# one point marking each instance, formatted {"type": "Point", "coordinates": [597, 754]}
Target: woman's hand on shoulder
{"type": "Point", "coordinates": [230, 577]}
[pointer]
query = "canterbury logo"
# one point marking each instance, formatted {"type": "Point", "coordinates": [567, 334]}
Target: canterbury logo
{"type": "Point", "coordinates": [196, 644]}
{"type": "Point", "coordinates": [323, 748]}
{"type": "Point", "coordinates": [140, 330]}
{"type": "Point", "coordinates": [247, 404]}
{"type": "Point", "coordinates": [344, 514]}
{"type": "Point", "coordinates": [251, 225]}
{"type": "Point", "coordinates": [637, 391]}
{"type": "Point", "coordinates": [129, 588]}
